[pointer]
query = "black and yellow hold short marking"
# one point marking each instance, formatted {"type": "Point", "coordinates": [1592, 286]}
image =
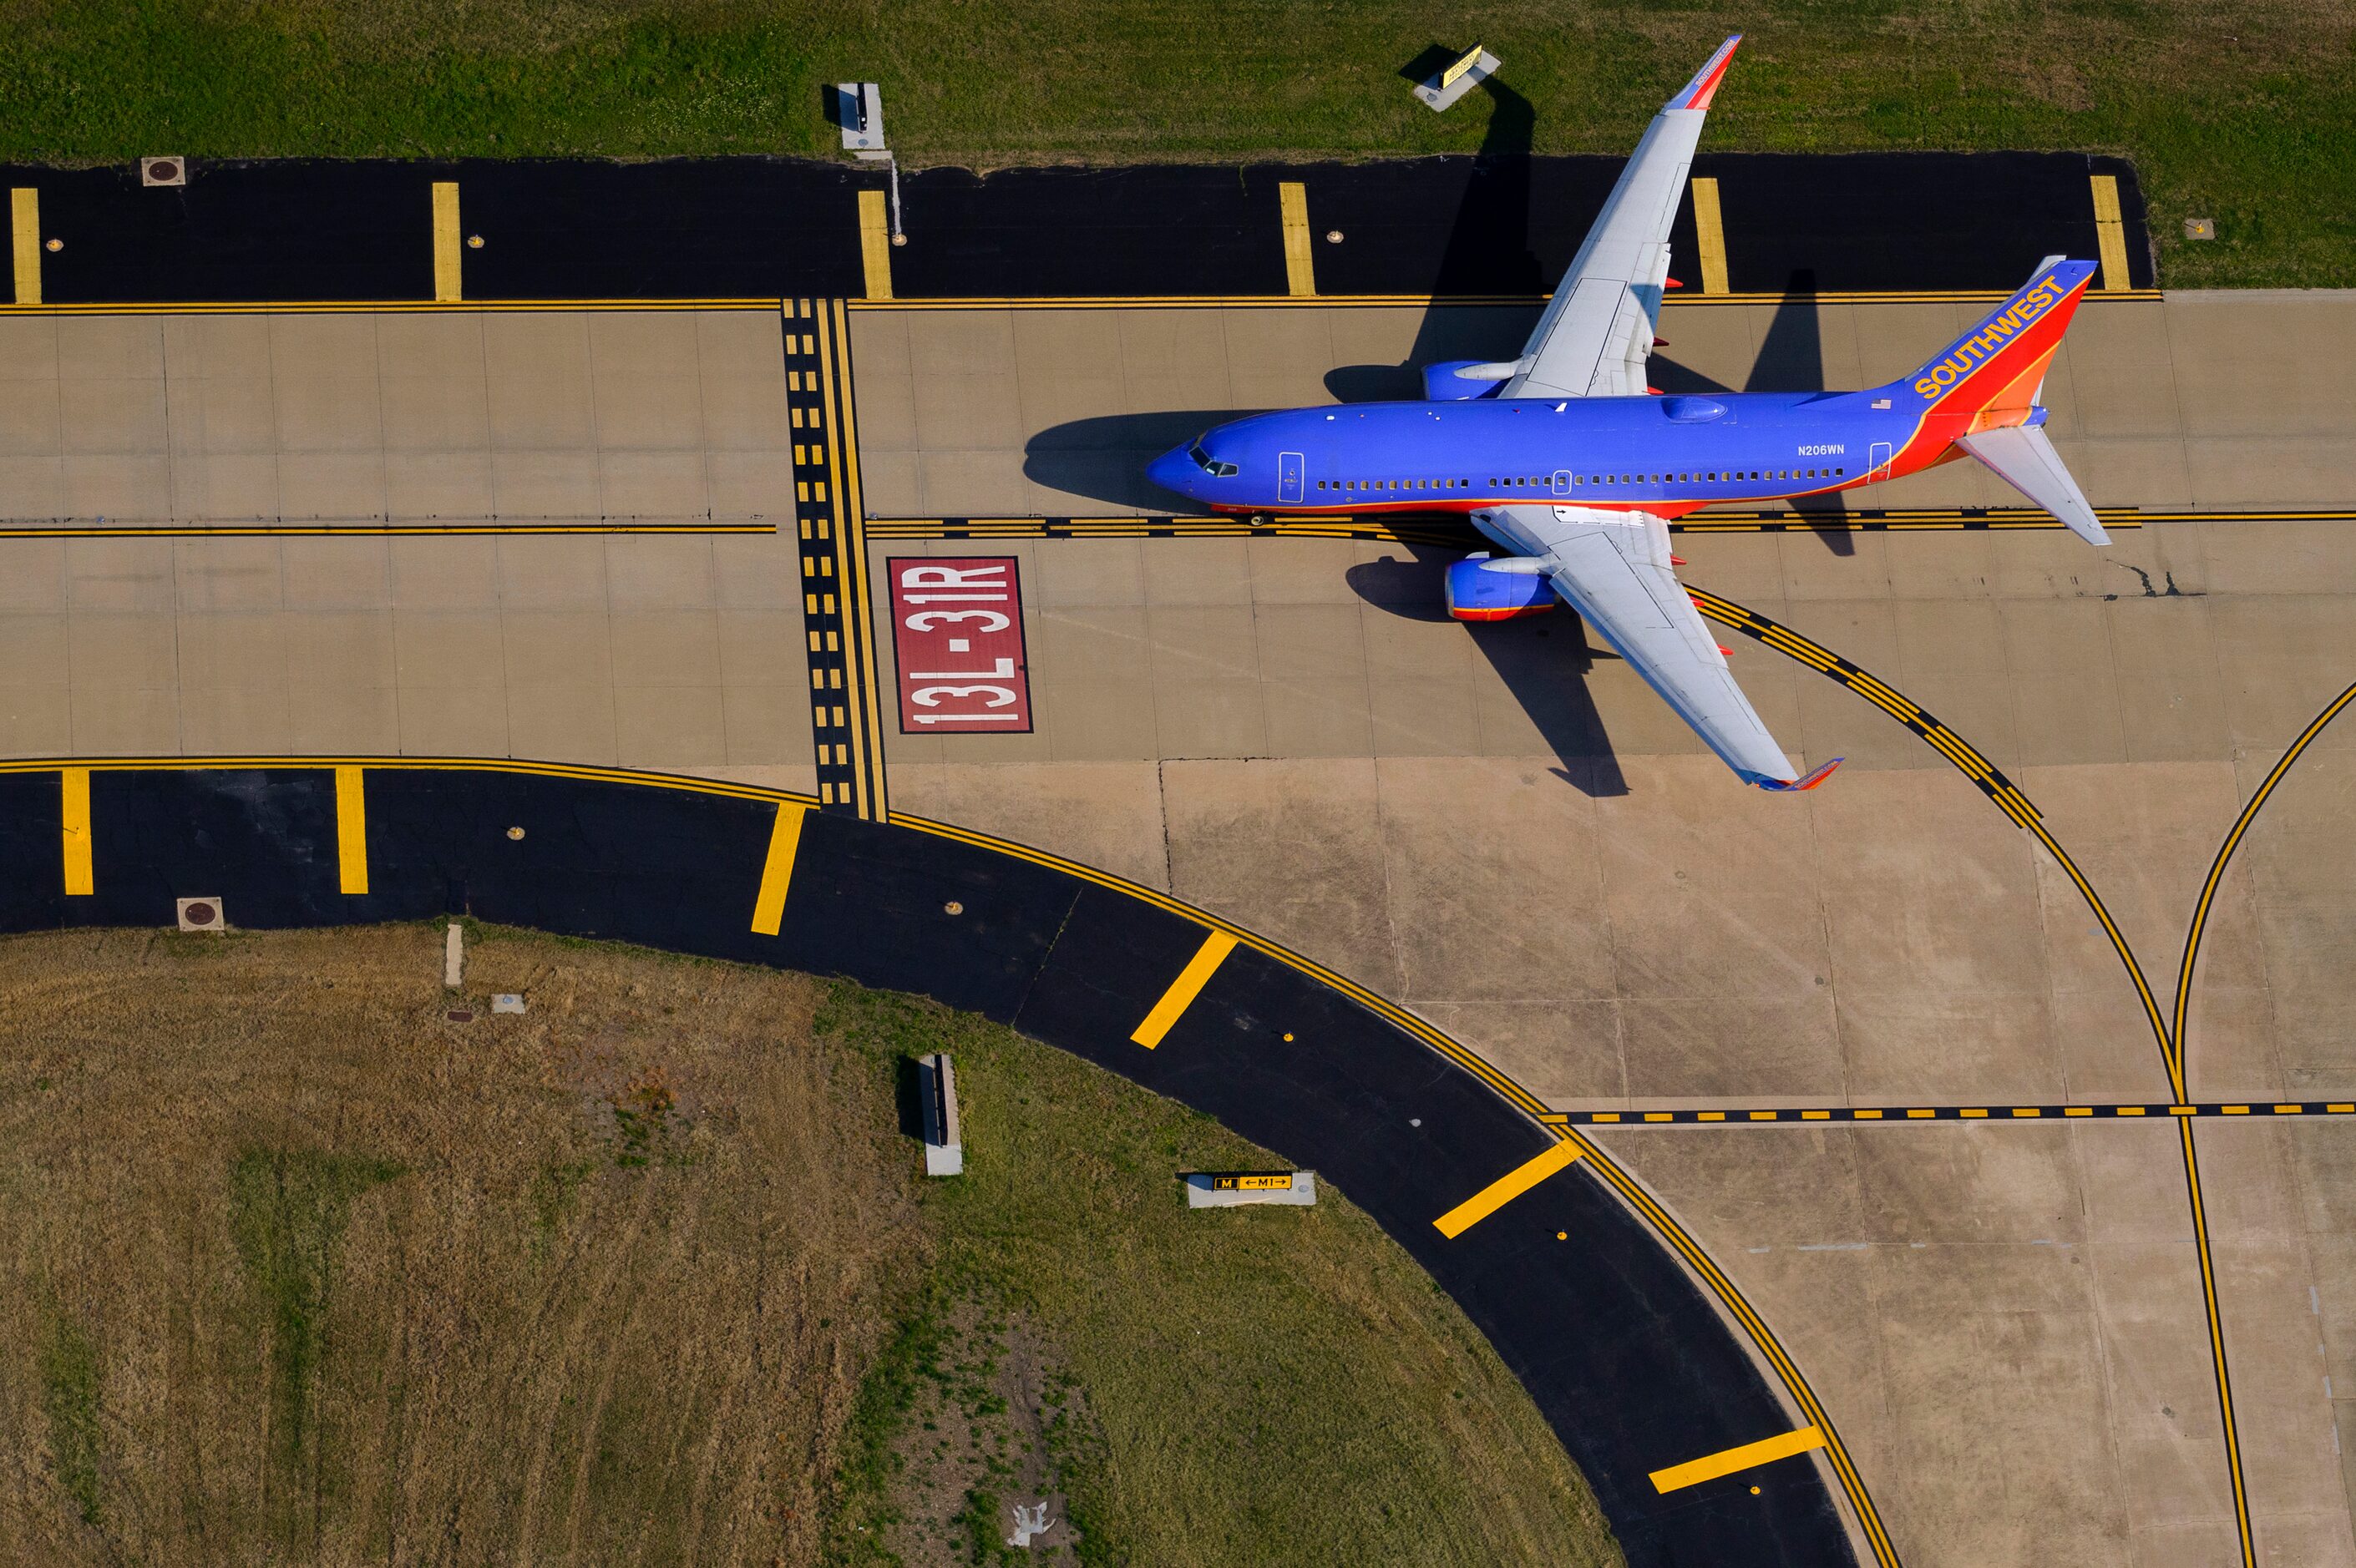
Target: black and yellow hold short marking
{"type": "Point", "coordinates": [845, 717]}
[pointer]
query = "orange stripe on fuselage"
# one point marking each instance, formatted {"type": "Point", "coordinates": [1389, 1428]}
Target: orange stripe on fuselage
{"type": "Point", "coordinates": [1956, 410]}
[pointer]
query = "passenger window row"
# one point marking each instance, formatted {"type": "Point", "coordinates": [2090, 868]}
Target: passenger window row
{"type": "Point", "coordinates": [1529, 481]}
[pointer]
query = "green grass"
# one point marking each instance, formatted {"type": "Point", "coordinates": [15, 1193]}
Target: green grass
{"type": "Point", "coordinates": [70, 1376]}
{"type": "Point", "coordinates": [2241, 113]}
{"type": "Point", "coordinates": [1263, 1384]}
{"type": "Point", "coordinates": [288, 1213]}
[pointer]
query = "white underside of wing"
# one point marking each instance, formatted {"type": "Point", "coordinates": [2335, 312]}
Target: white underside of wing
{"type": "Point", "coordinates": [1596, 334]}
{"type": "Point", "coordinates": [1613, 569]}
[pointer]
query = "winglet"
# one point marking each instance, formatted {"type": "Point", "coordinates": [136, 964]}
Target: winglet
{"type": "Point", "coordinates": [1698, 92]}
{"type": "Point", "coordinates": [1810, 782]}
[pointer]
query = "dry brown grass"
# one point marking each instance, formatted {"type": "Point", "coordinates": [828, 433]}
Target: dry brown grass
{"type": "Point", "coordinates": [302, 1271]}
{"type": "Point", "coordinates": [299, 1270]}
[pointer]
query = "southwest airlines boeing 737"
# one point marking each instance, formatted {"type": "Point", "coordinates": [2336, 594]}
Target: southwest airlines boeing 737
{"type": "Point", "coordinates": [1562, 458]}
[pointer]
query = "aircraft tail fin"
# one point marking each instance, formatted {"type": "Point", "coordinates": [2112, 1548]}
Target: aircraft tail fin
{"type": "Point", "coordinates": [2024, 458]}
{"type": "Point", "coordinates": [1994, 372]}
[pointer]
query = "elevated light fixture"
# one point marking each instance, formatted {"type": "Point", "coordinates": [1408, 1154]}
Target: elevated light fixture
{"type": "Point", "coordinates": [859, 112]}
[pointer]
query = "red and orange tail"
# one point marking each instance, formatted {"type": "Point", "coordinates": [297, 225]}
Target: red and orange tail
{"type": "Point", "coordinates": [1993, 373]}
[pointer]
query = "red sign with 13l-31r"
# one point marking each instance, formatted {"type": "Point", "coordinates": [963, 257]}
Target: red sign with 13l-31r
{"type": "Point", "coordinates": [957, 632]}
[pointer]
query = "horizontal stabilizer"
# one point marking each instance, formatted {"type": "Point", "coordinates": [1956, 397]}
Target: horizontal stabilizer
{"type": "Point", "coordinates": [2024, 458]}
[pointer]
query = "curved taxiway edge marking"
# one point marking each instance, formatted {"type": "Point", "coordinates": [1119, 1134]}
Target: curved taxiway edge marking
{"type": "Point", "coordinates": [1966, 760]}
{"type": "Point", "coordinates": [1630, 1192]}
{"type": "Point", "coordinates": [2179, 1072]}
{"type": "Point", "coordinates": [2218, 1367]}
{"type": "Point", "coordinates": [2217, 873]}
{"type": "Point", "coordinates": [1048, 947]}
{"type": "Point", "coordinates": [1633, 1193]}
{"type": "Point", "coordinates": [2016, 805]}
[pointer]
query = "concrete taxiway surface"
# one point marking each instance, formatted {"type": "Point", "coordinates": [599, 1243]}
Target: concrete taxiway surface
{"type": "Point", "coordinates": [2007, 1320]}
{"type": "Point", "coordinates": [668, 635]}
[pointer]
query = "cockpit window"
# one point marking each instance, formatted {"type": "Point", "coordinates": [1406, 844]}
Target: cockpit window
{"type": "Point", "coordinates": [1203, 461]}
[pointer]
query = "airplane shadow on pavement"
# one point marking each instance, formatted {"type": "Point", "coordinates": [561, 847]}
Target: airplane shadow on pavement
{"type": "Point", "coordinates": [1104, 458]}
{"type": "Point", "coordinates": [1543, 661]}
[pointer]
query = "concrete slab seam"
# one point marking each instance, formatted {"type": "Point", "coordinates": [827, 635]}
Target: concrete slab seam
{"type": "Point", "coordinates": [1629, 1190]}
{"type": "Point", "coordinates": [2017, 806]}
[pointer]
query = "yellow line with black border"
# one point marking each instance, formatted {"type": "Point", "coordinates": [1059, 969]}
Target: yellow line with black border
{"type": "Point", "coordinates": [859, 650]}
{"type": "Point", "coordinates": [1713, 1278]}
{"type": "Point", "coordinates": [1505, 1086]}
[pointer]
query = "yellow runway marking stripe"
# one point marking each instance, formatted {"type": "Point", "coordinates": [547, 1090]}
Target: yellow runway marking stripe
{"type": "Point", "coordinates": [447, 286]}
{"type": "Point", "coordinates": [351, 831]}
{"type": "Point", "coordinates": [1184, 990]}
{"type": "Point", "coordinates": [875, 244]}
{"type": "Point", "coordinates": [25, 222]}
{"type": "Point", "coordinates": [1505, 1188]}
{"type": "Point", "coordinates": [1710, 237]}
{"type": "Point", "coordinates": [1710, 1466]}
{"type": "Point", "coordinates": [2110, 233]}
{"type": "Point", "coordinates": [1300, 262]}
{"type": "Point", "coordinates": [777, 870]}
{"type": "Point", "coordinates": [74, 819]}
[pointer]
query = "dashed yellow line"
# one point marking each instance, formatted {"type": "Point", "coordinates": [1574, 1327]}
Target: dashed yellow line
{"type": "Point", "coordinates": [449, 285]}
{"type": "Point", "coordinates": [25, 231]}
{"type": "Point", "coordinates": [1300, 260]}
{"type": "Point", "coordinates": [1709, 236]}
{"type": "Point", "coordinates": [73, 790]}
{"type": "Point", "coordinates": [1505, 1188]}
{"type": "Point", "coordinates": [875, 244]}
{"type": "Point", "coordinates": [351, 830]}
{"type": "Point", "coordinates": [2110, 233]}
{"type": "Point", "coordinates": [1183, 989]}
{"type": "Point", "coordinates": [1726, 1462]}
{"type": "Point", "coordinates": [777, 868]}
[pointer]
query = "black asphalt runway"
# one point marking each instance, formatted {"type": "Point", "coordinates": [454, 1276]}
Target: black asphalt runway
{"type": "Point", "coordinates": [1627, 1359]}
{"type": "Point", "coordinates": [768, 228]}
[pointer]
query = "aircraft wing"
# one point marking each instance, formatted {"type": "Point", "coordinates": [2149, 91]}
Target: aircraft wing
{"type": "Point", "coordinates": [1613, 568]}
{"type": "Point", "coordinates": [1597, 332]}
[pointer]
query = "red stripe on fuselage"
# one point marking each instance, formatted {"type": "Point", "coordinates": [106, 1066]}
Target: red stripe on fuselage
{"type": "Point", "coordinates": [1951, 414]}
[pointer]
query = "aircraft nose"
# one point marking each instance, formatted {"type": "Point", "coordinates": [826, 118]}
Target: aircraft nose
{"type": "Point", "coordinates": [1173, 470]}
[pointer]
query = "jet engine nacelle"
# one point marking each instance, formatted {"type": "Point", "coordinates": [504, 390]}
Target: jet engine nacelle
{"type": "Point", "coordinates": [1480, 589]}
{"type": "Point", "coordinates": [1443, 384]}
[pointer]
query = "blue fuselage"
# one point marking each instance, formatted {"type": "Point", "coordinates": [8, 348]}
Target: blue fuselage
{"type": "Point", "coordinates": [1662, 454]}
